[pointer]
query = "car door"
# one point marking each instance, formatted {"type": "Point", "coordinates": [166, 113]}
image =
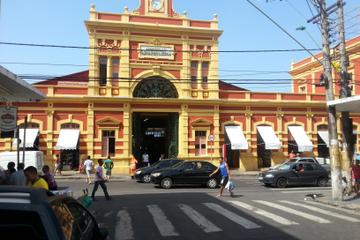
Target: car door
{"type": "Point", "coordinates": [186, 174]}
{"type": "Point", "coordinates": [82, 220]}
{"type": "Point", "coordinates": [205, 170]}
{"type": "Point", "coordinates": [298, 177]}
{"type": "Point", "coordinates": [308, 175]}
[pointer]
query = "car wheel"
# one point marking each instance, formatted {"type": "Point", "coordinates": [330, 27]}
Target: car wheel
{"type": "Point", "coordinates": [281, 183]}
{"type": "Point", "coordinates": [212, 183]}
{"type": "Point", "coordinates": [322, 182]}
{"type": "Point", "coordinates": [166, 183]}
{"type": "Point", "coordinates": [146, 178]}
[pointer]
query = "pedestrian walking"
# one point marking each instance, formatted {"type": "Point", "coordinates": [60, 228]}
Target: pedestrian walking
{"type": "Point", "coordinates": [89, 165]}
{"type": "Point", "coordinates": [57, 165]}
{"type": "Point", "coordinates": [145, 158]}
{"type": "Point", "coordinates": [100, 180]}
{"type": "Point", "coordinates": [108, 165]}
{"type": "Point", "coordinates": [225, 176]}
{"type": "Point", "coordinates": [18, 178]}
{"type": "Point", "coordinates": [49, 178]}
{"type": "Point", "coordinates": [33, 179]}
{"type": "Point", "coordinates": [355, 172]}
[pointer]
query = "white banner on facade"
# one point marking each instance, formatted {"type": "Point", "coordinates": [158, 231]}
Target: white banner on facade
{"type": "Point", "coordinates": [156, 52]}
{"type": "Point", "coordinates": [8, 118]}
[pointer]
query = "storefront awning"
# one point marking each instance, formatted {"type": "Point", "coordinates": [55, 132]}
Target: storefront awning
{"type": "Point", "coordinates": [302, 140]}
{"type": "Point", "coordinates": [14, 89]}
{"type": "Point", "coordinates": [68, 139]}
{"type": "Point", "coordinates": [31, 135]}
{"type": "Point", "coordinates": [324, 135]}
{"type": "Point", "coordinates": [268, 135]}
{"type": "Point", "coordinates": [236, 137]}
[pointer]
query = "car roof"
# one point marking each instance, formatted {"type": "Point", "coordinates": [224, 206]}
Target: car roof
{"type": "Point", "coordinates": [24, 195]}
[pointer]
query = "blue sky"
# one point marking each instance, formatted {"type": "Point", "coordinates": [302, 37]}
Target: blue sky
{"type": "Point", "coordinates": [61, 22]}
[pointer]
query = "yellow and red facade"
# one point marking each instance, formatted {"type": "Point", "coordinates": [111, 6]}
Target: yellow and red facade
{"type": "Point", "coordinates": [125, 47]}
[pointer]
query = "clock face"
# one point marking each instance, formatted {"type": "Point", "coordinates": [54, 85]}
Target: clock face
{"type": "Point", "coordinates": [157, 4]}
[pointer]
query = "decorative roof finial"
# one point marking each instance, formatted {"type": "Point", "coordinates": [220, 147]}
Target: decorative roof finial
{"type": "Point", "coordinates": [126, 9]}
{"type": "Point", "coordinates": [216, 17]}
{"type": "Point", "coordinates": [185, 13]}
{"type": "Point", "coordinates": [92, 7]}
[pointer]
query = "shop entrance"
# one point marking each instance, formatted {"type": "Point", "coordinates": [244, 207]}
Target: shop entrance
{"type": "Point", "coordinates": [156, 134]}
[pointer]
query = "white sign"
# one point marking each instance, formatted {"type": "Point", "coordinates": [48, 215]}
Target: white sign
{"type": "Point", "coordinates": [8, 118]}
{"type": "Point", "coordinates": [156, 52]}
{"type": "Point", "coordinates": [211, 138]}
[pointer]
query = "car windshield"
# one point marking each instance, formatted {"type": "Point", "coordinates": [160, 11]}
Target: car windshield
{"type": "Point", "coordinates": [178, 164]}
{"type": "Point", "coordinates": [285, 166]}
{"type": "Point", "coordinates": [291, 160]}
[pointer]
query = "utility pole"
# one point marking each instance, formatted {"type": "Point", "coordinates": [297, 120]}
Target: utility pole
{"type": "Point", "coordinates": [345, 91]}
{"type": "Point", "coordinates": [336, 176]}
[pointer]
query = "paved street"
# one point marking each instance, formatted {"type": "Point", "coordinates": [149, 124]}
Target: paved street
{"type": "Point", "coordinates": [142, 211]}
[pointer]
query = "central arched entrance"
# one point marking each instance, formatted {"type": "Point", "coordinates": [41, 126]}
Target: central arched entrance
{"type": "Point", "coordinates": [155, 87]}
{"type": "Point", "coordinates": [155, 132]}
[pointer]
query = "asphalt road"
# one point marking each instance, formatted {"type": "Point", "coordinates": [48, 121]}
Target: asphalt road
{"type": "Point", "coordinates": [143, 211]}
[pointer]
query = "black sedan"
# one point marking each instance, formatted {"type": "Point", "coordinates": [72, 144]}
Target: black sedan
{"type": "Point", "coordinates": [292, 174]}
{"type": "Point", "coordinates": [143, 174]}
{"type": "Point", "coordinates": [186, 173]}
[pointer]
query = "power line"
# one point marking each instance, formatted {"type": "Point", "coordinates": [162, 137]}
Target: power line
{"type": "Point", "coordinates": [130, 49]}
{"type": "Point", "coordinates": [282, 29]}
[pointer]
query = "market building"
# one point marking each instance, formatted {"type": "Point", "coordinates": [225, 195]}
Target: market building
{"type": "Point", "coordinates": [153, 86]}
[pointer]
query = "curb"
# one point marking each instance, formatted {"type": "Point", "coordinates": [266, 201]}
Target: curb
{"type": "Point", "coordinates": [345, 205]}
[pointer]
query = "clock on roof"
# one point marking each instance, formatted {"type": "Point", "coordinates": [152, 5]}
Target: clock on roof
{"type": "Point", "coordinates": [157, 4]}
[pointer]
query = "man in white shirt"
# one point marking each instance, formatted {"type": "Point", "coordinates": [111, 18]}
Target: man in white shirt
{"type": "Point", "coordinates": [18, 178]}
{"type": "Point", "coordinates": [100, 180]}
{"type": "Point", "coordinates": [145, 158]}
{"type": "Point", "coordinates": [88, 164]}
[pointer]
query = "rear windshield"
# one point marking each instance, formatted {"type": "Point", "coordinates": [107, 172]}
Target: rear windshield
{"type": "Point", "coordinates": [19, 224]}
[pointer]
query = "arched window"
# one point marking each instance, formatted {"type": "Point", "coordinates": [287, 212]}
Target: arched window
{"type": "Point", "coordinates": [29, 125]}
{"type": "Point", "coordinates": [155, 87]}
{"type": "Point", "coordinates": [70, 126]}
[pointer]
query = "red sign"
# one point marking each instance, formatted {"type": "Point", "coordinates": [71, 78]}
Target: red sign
{"type": "Point", "coordinates": [8, 117]}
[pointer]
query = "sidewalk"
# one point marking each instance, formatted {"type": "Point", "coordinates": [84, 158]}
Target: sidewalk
{"type": "Point", "coordinates": [351, 202]}
{"type": "Point", "coordinates": [74, 175]}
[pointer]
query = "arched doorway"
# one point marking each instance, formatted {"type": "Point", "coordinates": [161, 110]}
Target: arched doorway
{"type": "Point", "coordinates": [155, 87]}
{"type": "Point", "coordinates": [156, 133]}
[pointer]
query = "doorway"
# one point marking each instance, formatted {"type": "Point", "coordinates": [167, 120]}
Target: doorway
{"type": "Point", "coordinates": [156, 134]}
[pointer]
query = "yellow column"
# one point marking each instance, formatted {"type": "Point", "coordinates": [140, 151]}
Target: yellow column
{"type": "Point", "coordinates": [184, 132]}
{"type": "Point", "coordinates": [90, 129]}
{"type": "Point", "coordinates": [185, 70]}
{"type": "Point", "coordinates": [214, 72]}
{"type": "Point", "coordinates": [124, 73]}
{"type": "Point", "coordinates": [109, 76]}
{"type": "Point", "coordinates": [216, 132]}
{"type": "Point", "coordinates": [49, 135]}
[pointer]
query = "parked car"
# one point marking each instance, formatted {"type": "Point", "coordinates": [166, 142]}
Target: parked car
{"type": "Point", "coordinates": [186, 173]}
{"type": "Point", "coordinates": [28, 213]}
{"type": "Point", "coordinates": [144, 174]}
{"type": "Point", "coordinates": [32, 158]}
{"type": "Point", "coordinates": [295, 173]}
{"type": "Point", "coordinates": [324, 164]}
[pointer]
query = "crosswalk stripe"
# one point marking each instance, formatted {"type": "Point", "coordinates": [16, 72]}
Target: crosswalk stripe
{"type": "Point", "coordinates": [199, 219]}
{"type": "Point", "coordinates": [322, 211]}
{"type": "Point", "coordinates": [124, 230]}
{"type": "Point", "coordinates": [232, 216]}
{"type": "Point", "coordinates": [352, 212]}
{"type": "Point", "coordinates": [292, 211]}
{"type": "Point", "coordinates": [264, 213]}
{"type": "Point", "coordinates": [165, 227]}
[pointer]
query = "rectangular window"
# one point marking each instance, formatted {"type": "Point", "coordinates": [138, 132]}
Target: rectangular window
{"type": "Point", "coordinates": [200, 143]}
{"type": "Point", "coordinates": [194, 72]}
{"type": "Point", "coordinates": [108, 143]}
{"type": "Point", "coordinates": [205, 72]}
{"type": "Point", "coordinates": [115, 62]}
{"type": "Point", "coordinates": [102, 71]}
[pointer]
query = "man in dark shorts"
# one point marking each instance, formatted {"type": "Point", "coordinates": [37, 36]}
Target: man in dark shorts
{"type": "Point", "coordinates": [225, 175]}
